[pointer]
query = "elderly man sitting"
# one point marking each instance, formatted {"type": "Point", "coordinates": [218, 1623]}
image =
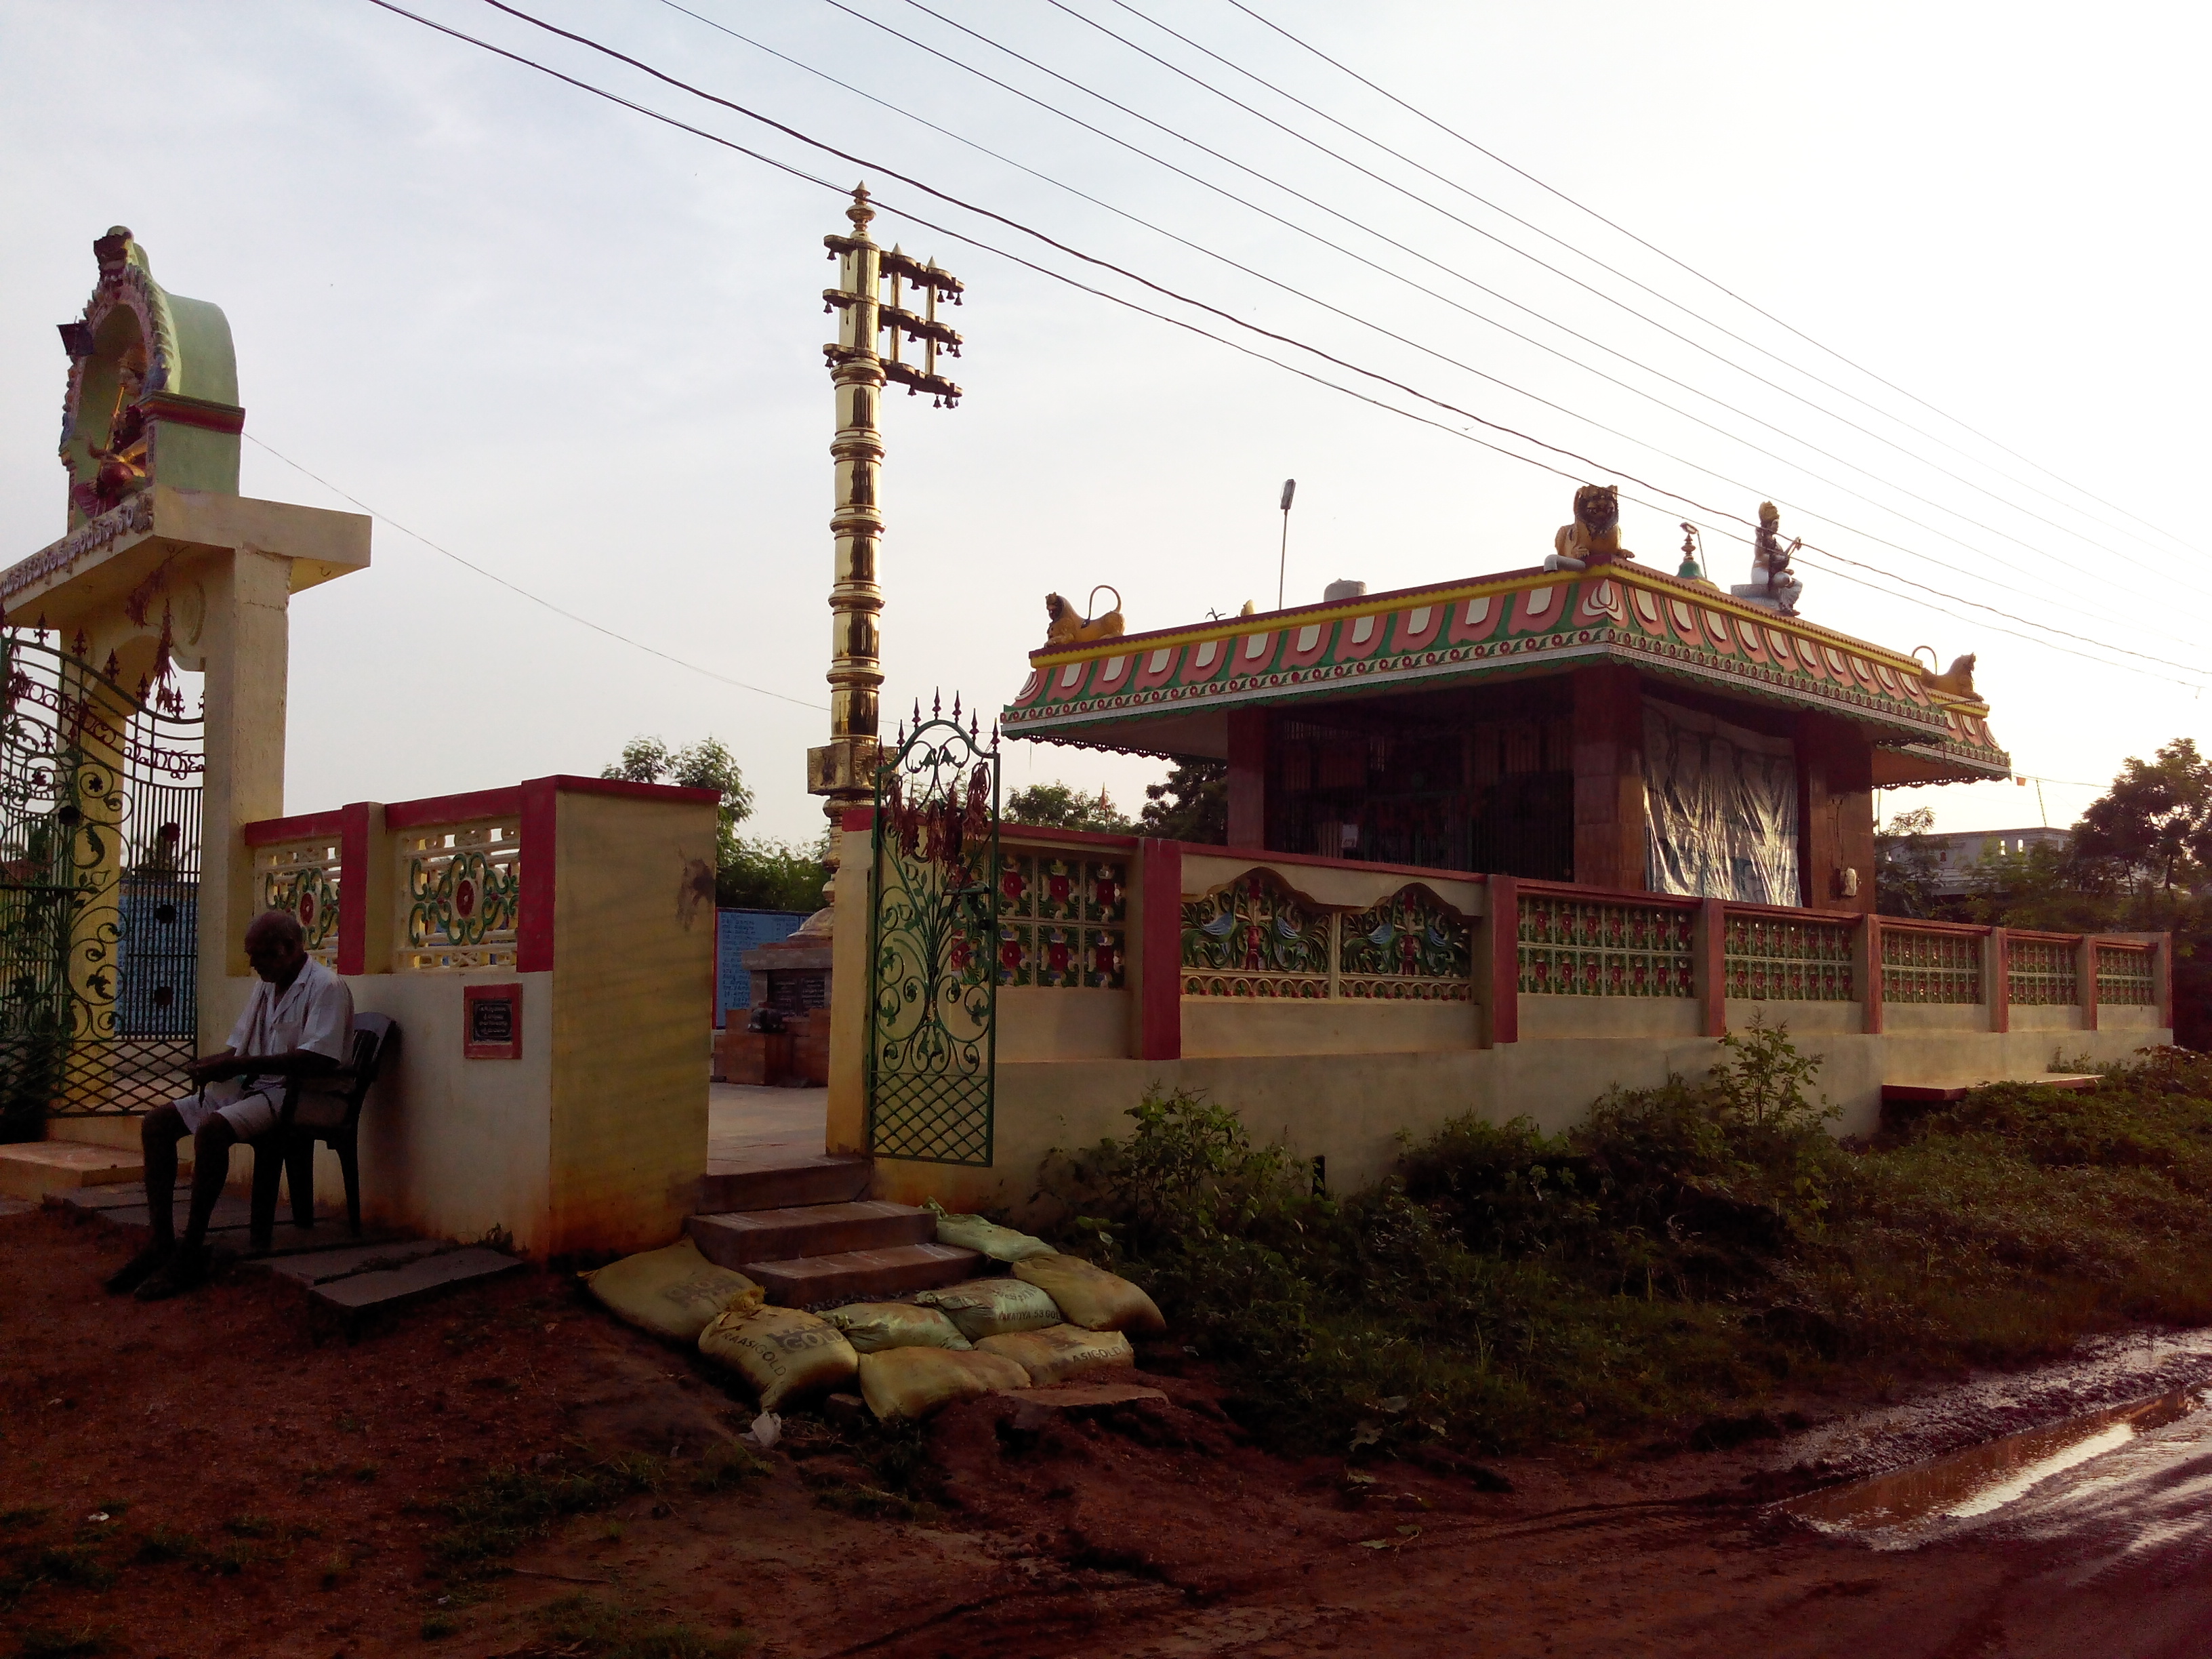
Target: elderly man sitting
{"type": "Point", "coordinates": [297, 1024]}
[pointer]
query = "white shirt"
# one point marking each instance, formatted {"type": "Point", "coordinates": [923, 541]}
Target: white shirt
{"type": "Point", "coordinates": [313, 1013]}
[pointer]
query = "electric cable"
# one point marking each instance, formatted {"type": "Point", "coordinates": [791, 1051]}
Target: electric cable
{"type": "Point", "coordinates": [2064, 598]}
{"type": "Point", "coordinates": [1364, 324]}
{"type": "Point", "coordinates": [1721, 287]}
{"type": "Point", "coordinates": [1711, 514]}
{"type": "Point", "coordinates": [1601, 264]}
{"type": "Point", "coordinates": [1364, 321]}
{"type": "Point", "coordinates": [1880, 437]}
{"type": "Point", "coordinates": [494, 577]}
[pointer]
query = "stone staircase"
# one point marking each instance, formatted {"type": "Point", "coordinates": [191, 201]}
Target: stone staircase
{"type": "Point", "coordinates": [807, 1232]}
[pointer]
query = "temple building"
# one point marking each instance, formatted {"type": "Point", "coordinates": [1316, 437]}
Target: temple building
{"type": "Point", "coordinates": [1589, 720]}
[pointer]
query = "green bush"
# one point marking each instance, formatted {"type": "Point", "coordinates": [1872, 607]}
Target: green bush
{"type": "Point", "coordinates": [1675, 1253]}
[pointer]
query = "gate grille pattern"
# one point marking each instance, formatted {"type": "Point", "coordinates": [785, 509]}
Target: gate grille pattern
{"type": "Point", "coordinates": [100, 844]}
{"type": "Point", "coordinates": [933, 983]}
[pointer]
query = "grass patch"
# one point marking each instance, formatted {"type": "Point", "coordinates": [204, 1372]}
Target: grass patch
{"type": "Point", "coordinates": [25, 1517]}
{"type": "Point", "coordinates": [1671, 1257]}
{"type": "Point", "coordinates": [42, 1642]}
{"type": "Point", "coordinates": [592, 1629]}
{"type": "Point", "coordinates": [509, 1506]}
{"type": "Point", "coordinates": [74, 1566]}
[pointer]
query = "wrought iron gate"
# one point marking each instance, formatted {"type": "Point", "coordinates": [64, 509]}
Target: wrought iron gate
{"type": "Point", "coordinates": [100, 852]}
{"type": "Point", "coordinates": [934, 934]}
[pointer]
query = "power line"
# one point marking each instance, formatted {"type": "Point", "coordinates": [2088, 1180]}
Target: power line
{"type": "Point", "coordinates": [1721, 287]}
{"type": "Point", "coordinates": [1416, 345]}
{"type": "Point", "coordinates": [494, 577]}
{"type": "Point", "coordinates": [2071, 599]}
{"type": "Point", "coordinates": [1672, 333]}
{"type": "Point", "coordinates": [1710, 514]}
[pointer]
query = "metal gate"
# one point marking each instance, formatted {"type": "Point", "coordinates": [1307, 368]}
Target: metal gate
{"type": "Point", "coordinates": [100, 854]}
{"type": "Point", "coordinates": [934, 934]}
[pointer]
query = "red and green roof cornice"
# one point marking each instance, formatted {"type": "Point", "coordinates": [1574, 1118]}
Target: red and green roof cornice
{"type": "Point", "coordinates": [1492, 627]}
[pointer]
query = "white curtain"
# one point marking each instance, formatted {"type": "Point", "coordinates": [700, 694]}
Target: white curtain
{"type": "Point", "coordinates": [1721, 819]}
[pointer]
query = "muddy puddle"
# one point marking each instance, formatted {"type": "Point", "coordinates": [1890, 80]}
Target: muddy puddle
{"type": "Point", "coordinates": [1906, 1507]}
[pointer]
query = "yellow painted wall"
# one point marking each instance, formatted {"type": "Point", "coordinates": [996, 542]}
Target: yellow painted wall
{"type": "Point", "coordinates": [633, 996]}
{"type": "Point", "coordinates": [1350, 1108]}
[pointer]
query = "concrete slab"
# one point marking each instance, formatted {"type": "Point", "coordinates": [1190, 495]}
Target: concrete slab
{"type": "Point", "coordinates": [33, 1169]}
{"type": "Point", "coordinates": [100, 1200]}
{"type": "Point", "coordinates": [393, 1288]}
{"type": "Point", "coordinates": [16, 1206]}
{"type": "Point", "coordinates": [748, 1122]}
{"type": "Point", "coordinates": [229, 1214]}
{"type": "Point", "coordinates": [307, 1265]}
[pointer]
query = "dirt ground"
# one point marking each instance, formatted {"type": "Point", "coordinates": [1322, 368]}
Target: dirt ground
{"type": "Point", "coordinates": [311, 1481]}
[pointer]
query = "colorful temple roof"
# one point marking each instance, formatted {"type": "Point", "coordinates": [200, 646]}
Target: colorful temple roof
{"type": "Point", "coordinates": [1165, 692]}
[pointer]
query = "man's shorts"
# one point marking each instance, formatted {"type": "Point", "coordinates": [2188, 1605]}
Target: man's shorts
{"type": "Point", "coordinates": [250, 1108]}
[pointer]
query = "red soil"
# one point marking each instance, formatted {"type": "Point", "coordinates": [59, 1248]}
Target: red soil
{"type": "Point", "coordinates": [1147, 1530]}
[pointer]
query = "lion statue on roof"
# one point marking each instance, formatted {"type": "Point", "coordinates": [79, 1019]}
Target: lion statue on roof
{"type": "Point", "coordinates": [1595, 536]}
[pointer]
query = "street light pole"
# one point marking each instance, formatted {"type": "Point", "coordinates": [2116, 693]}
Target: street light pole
{"type": "Point", "coordinates": [1282, 561]}
{"type": "Point", "coordinates": [872, 297]}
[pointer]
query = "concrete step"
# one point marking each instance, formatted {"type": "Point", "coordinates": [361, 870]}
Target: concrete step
{"type": "Point", "coordinates": [349, 1303]}
{"type": "Point", "coordinates": [744, 1236]}
{"type": "Point", "coordinates": [862, 1275]}
{"type": "Point", "coordinates": [782, 1183]}
{"type": "Point", "coordinates": [33, 1169]}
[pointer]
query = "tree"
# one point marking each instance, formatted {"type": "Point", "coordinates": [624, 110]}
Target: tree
{"type": "Point", "coordinates": [1191, 804]}
{"type": "Point", "coordinates": [753, 875]}
{"type": "Point", "coordinates": [1905, 865]}
{"type": "Point", "coordinates": [2154, 824]}
{"type": "Point", "coordinates": [773, 875]}
{"type": "Point", "coordinates": [1056, 806]}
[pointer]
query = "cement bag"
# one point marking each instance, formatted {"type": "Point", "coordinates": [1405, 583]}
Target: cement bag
{"type": "Point", "coordinates": [1060, 1351]}
{"type": "Point", "coordinates": [1091, 1296]}
{"type": "Point", "coordinates": [993, 1307]}
{"type": "Point", "coordinates": [871, 1326]}
{"type": "Point", "coordinates": [972, 1232]}
{"type": "Point", "coordinates": [915, 1382]}
{"type": "Point", "coordinates": [672, 1293]}
{"type": "Point", "coordinates": [782, 1352]}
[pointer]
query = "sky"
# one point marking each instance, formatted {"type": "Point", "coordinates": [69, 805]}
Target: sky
{"type": "Point", "coordinates": [581, 349]}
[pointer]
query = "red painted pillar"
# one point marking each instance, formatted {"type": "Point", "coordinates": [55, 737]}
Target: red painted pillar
{"type": "Point", "coordinates": [1159, 947]}
{"type": "Point", "coordinates": [1505, 986]}
{"type": "Point", "coordinates": [1609, 811]}
{"type": "Point", "coordinates": [1248, 777]}
{"type": "Point", "coordinates": [2085, 978]}
{"type": "Point", "coordinates": [1868, 965]}
{"type": "Point", "coordinates": [534, 931]}
{"type": "Point", "coordinates": [1835, 814]}
{"type": "Point", "coordinates": [1998, 966]}
{"type": "Point", "coordinates": [364, 859]}
{"type": "Point", "coordinates": [1712, 966]}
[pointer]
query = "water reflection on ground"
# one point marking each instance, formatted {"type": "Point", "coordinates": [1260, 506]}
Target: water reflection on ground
{"type": "Point", "coordinates": [2121, 1481]}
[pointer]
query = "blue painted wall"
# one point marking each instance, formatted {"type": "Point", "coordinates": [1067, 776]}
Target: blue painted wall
{"type": "Point", "coordinates": [737, 932]}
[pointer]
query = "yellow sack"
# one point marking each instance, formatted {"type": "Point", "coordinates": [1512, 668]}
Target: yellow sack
{"type": "Point", "coordinates": [672, 1293]}
{"type": "Point", "coordinates": [972, 1232]}
{"type": "Point", "coordinates": [1060, 1351]}
{"type": "Point", "coordinates": [871, 1326]}
{"type": "Point", "coordinates": [782, 1352]}
{"type": "Point", "coordinates": [1091, 1296]}
{"type": "Point", "coordinates": [992, 1307]}
{"type": "Point", "coordinates": [915, 1382]}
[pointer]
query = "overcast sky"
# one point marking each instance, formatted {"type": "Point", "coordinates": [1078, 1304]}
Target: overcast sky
{"type": "Point", "coordinates": [581, 348]}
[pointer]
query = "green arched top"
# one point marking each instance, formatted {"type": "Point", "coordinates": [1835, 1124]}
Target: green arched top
{"type": "Point", "coordinates": [180, 424]}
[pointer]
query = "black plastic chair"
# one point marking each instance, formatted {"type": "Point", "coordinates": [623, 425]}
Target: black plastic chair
{"type": "Point", "coordinates": [290, 1148]}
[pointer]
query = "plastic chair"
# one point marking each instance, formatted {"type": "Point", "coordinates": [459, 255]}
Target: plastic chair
{"type": "Point", "coordinates": [290, 1148]}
